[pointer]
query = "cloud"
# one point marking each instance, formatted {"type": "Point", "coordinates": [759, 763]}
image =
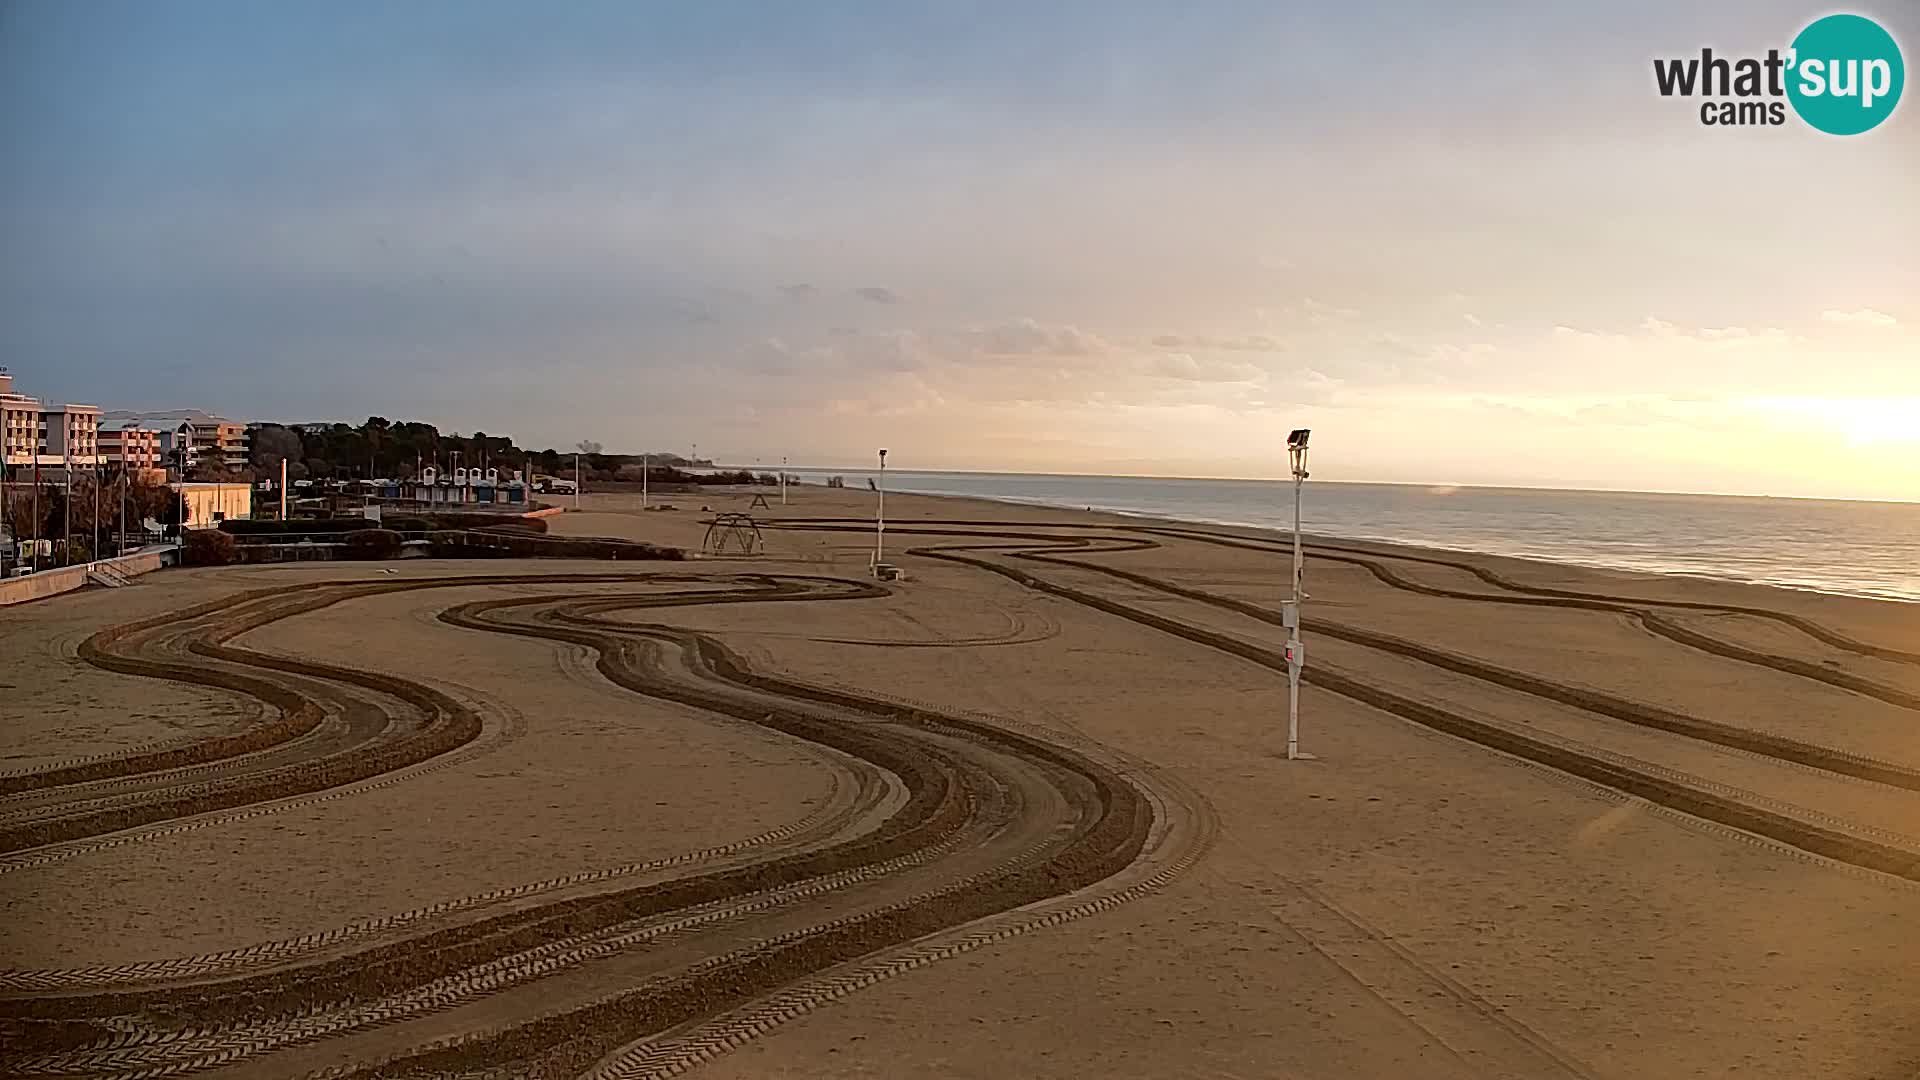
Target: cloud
{"type": "Point", "coordinates": [1024, 361]}
{"type": "Point", "coordinates": [1622, 413]}
{"type": "Point", "coordinates": [692, 310]}
{"type": "Point", "coordinates": [878, 294]}
{"type": "Point", "coordinates": [1318, 312]}
{"type": "Point", "coordinates": [1028, 337]}
{"type": "Point", "coordinates": [1249, 343]}
{"type": "Point", "coordinates": [1188, 368]}
{"type": "Point", "coordinates": [1862, 317]}
{"type": "Point", "coordinates": [799, 291]}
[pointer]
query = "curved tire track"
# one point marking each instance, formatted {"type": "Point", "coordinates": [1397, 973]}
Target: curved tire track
{"type": "Point", "coordinates": [243, 1016]}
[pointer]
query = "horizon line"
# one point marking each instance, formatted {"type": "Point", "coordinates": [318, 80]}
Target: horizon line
{"type": "Point", "coordinates": [1359, 483]}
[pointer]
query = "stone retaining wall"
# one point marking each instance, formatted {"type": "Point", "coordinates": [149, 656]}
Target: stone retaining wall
{"type": "Point", "coordinates": [68, 578]}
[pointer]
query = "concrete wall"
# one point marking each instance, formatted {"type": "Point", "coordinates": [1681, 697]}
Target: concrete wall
{"type": "Point", "coordinates": [68, 578]}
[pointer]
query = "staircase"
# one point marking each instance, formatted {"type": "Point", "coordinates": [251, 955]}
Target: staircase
{"type": "Point", "coordinates": [106, 573]}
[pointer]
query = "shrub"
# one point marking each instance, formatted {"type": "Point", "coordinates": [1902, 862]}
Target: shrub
{"type": "Point", "coordinates": [373, 544]}
{"type": "Point", "coordinates": [469, 544]}
{"type": "Point", "coordinates": [209, 547]}
{"type": "Point", "coordinates": [457, 519]}
{"type": "Point", "coordinates": [77, 551]}
{"type": "Point", "coordinates": [298, 527]}
{"type": "Point", "coordinates": [405, 524]}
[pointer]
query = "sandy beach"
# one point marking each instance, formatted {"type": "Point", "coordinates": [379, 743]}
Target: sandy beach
{"type": "Point", "coordinates": [1025, 812]}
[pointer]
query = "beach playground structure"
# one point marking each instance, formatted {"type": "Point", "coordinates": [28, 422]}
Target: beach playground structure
{"type": "Point", "coordinates": [736, 534]}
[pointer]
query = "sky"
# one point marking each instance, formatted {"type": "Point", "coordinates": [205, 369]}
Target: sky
{"type": "Point", "coordinates": [1465, 243]}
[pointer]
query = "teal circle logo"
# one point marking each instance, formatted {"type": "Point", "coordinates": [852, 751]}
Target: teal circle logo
{"type": "Point", "coordinates": [1845, 74]}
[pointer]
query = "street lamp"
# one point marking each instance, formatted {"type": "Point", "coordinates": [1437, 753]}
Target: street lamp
{"type": "Point", "coordinates": [783, 479]}
{"type": "Point", "coordinates": [1290, 610]}
{"type": "Point", "coordinates": [880, 515]}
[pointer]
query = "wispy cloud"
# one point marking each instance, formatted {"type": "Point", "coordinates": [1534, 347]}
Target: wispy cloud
{"type": "Point", "coordinates": [1022, 360]}
{"type": "Point", "coordinates": [1249, 343]}
{"type": "Point", "coordinates": [878, 294]}
{"type": "Point", "coordinates": [1862, 317]}
{"type": "Point", "coordinates": [799, 291]}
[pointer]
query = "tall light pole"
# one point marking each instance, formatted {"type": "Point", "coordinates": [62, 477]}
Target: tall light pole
{"type": "Point", "coordinates": [180, 446]}
{"type": "Point", "coordinates": [783, 479]}
{"type": "Point", "coordinates": [10, 551]}
{"type": "Point", "coordinates": [1290, 611]}
{"type": "Point", "coordinates": [126, 478]}
{"type": "Point", "coordinates": [66, 497]}
{"type": "Point", "coordinates": [880, 514]}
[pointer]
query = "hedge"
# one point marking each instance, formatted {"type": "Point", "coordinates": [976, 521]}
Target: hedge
{"type": "Point", "coordinates": [341, 526]}
{"type": "Point", "coordinates": [209, 547]}
{"type": "Point", "coordinates": [314, 526]}
{"type": "Point", "coordinates": [469, 544]}
{"type": "Point", "coordinates": [373, 544]}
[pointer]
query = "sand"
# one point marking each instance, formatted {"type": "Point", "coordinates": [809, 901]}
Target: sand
{"type": "Point", "coordinates": [1411, 903]}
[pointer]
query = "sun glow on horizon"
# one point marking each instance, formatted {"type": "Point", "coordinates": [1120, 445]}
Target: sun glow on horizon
{"type": "Point", "coordinates": [1860, 421]}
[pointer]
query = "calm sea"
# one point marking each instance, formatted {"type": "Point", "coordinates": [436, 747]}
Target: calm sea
{"type": "Point", "coordinates": [1857, 548]}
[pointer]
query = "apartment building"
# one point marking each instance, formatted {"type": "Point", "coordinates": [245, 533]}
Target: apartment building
{"type": "Point", "coordinates": [230, 441]}
{"type": "Point", "coordinates": [19, 425]}
{"type": "Point", "coordinates": [32, 433]}
{"type": "Point", "coordinates": [71, 434]}
{"type": "Point", "coordinates": [131, 447]}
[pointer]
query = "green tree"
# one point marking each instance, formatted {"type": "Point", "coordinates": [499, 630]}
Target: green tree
{"type": "Point", "coordinates": [273, 444]}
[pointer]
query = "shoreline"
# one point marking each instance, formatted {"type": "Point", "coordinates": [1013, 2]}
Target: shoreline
{"type": "Point", "coordinates": [828, 470]}
{"type": "Point", "coordinates": [1404, 545]}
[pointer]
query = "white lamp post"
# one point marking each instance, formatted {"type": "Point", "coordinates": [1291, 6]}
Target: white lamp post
{"type": "Point", "coordinates": [783, 480]}
{"type": "Point", "coordinates": [1290, 611]}
{"type": "Point", "coordinates": [880, 515]}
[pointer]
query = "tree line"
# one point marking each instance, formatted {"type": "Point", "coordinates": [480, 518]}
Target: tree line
{"type": "Point", "coordinates": [85, 523]}
{"type": "Point", "coordinates": [398, 450]}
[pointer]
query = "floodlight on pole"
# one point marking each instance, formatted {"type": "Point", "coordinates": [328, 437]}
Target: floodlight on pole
{"type": "Point", "coordinates": [880, 514]}
{"type": "Point", "coordinates": [783, 479]}
{"type": "Point", "coordinates": [1290, 610]}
